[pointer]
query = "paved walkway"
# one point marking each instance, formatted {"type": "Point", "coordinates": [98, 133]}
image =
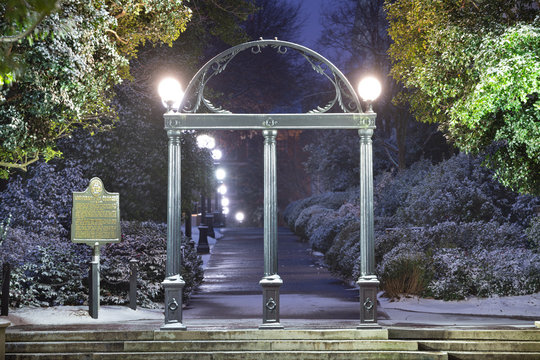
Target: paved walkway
{"type": "Point", "coordinates": [231, 289]}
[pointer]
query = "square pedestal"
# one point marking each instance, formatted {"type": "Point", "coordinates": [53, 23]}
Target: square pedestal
{"type": "Point", "coordinates": [173, 287]}
{"type": "Point", "coordinates": [271, 285]}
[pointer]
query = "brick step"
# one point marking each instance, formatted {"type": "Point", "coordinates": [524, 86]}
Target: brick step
{"type": "Point", "coordinates": [208, 346]}
{"type": "Point", "coordinates": [243, 355]}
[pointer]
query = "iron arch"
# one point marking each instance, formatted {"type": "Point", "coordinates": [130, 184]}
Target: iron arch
{"type": "Point", "coordinates": [345, 96]}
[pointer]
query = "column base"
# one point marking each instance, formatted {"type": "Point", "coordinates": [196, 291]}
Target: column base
{"type": "Point", "coordinates": [271, 285]}
{"type": "Point", "coordinates": [369, 287]}
{"type": "Point", "coordinates": [271, 326]}
{"type": "Point", "coordinates": [173, 286]}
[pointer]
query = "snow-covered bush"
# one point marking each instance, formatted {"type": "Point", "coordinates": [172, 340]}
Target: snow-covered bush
{"type": "Point", "coordinates": [146, 243]}
{"type": "Point", "coordinates": [327, 200]}
{"type": "Point", "coordinates": [458, 273]}
{"type": "Point", "coordinates": [533, 234]}
{"type": "Point", "coordinates": [460, 190]}
{"type": "Point", "coordinates": [43, 197]}
{"type": "Point", "coordinates": [345, 251]}
{"type": "Point", "coordinates": [48, 269]}
{"type": "Point", "coordinates": [392, 189]}
{"type": "Point", "coordinates": [422, 214]}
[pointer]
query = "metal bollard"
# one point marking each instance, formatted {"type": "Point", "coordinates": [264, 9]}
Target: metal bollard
{"type": "Point", "coordinates": [6, 277]}
{"type": "Point", "coordinates": [133, 284]}
{"type": "Point", "coordinates": [203, 247]}
{"type": "Point", "coordinates": [93, 298]}
{"type": "Point", "coordinates": [187, 222]}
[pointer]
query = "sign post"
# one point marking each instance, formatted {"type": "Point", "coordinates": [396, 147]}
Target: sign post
{"type": "Point", "coordinates": [95, 220]}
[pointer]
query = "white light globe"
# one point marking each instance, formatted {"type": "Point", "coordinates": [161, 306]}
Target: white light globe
{"type": "Point", "coordinates": [216, 154]}
{"type": "Point", "coordinates": [225, 211]}
{"type": "Point", "coordinates": [239, 216]}
{"type": "Point", "coordinates": [222, 189]}
{"type": "Point", "coordinates": [225, 202]}
{"type": "Point", "coordinates": [206, 141]}
{"type": "Point", "coordinates": [369, 88]}
{"type": "Point", "coordinates": [171, 93]}
{"type": "Point", "coordinates": [220, 174]}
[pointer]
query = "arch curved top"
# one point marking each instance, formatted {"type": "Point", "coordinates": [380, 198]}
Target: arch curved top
{"type": "Point", "coordinates": [345, 96]}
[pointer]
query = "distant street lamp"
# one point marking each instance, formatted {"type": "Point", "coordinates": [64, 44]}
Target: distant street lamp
{"type": "Point", "coordinates": [205, 141]}
{"type": "Point", "coordinates": [225, 201]}
{"type": "Point", "coordinates": [220, 174]}
{"type": "Point", "coordinates": [222, 189]}
{"type": "Point", "coordinates": [239, 216]}
{"type": "Point", "coordinates": [217, 154]}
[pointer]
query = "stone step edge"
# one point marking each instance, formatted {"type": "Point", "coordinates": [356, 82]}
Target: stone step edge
{"type": "Point", "coordinates": [330, 334]}
{"type": "Point", "coordinates": [451, 334]}
{"type": "Point", "coordinates": [211, 346]}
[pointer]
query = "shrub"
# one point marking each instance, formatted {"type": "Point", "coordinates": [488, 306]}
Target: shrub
{"type": "Point", "coordinates": [459, 273]}
{"type": "Point", "coordinates": [327, 200]}
{"type": "Point", "coordinates": [460, 190]}
{"type": "Point", "coordinates": [533, 234]}
{"type": "Point", "coordinates": [48, 269]}
{"type": "Point", "coordinates": [43, 198]}
{"type": "Point", "coordinates": [145, 242]}
{"type": "Point", "coordinates": [403, 271]}
{"type": "Point", "coordinates": [51, 275]}
{"type": "Point", "coordinates": [345, 251]}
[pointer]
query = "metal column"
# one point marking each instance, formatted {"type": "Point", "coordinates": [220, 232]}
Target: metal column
{"type": "Point", "coordinates": [367, 282]}
{"type": "Point", "coordinates": [271, 281]}
{"type": "Point", "coordinates": [173, 283]}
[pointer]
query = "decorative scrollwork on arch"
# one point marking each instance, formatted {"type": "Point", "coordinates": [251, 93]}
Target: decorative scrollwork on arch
{"type": "Point", "coordinates": [345, 97]}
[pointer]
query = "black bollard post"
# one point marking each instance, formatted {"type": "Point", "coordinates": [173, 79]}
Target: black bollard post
{"type": "Point", "coordinates": [93, 294]}
{"type": "Point", "coordinates": [133, 284]}
{"type": "Point", "coordinates": [6, 277]}
{"type": "Point", "coordinates": [202, 247]}
{"type": "Point", "coordinates": [210, 224]}
{"type": "Point", "coordinates": [187, 222]}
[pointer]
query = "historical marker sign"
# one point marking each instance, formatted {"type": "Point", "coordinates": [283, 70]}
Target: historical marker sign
{"type": "Point", "coordinates": [95, 216]}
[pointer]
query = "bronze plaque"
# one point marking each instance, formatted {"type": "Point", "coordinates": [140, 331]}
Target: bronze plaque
{"type": "Point", "coordinates": [95, 216]}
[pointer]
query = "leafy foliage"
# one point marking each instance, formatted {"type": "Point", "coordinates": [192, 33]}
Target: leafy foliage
{"type": "Point", "coordinates": [473, 68]}
{"type": "Point", "coordinates": [69, 76]}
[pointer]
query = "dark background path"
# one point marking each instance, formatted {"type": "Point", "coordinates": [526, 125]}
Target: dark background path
{"type": "Point", "coordinates": [231, 289]}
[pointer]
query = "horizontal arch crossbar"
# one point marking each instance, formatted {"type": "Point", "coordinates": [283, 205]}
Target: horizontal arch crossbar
{"type": "Point", "coordinates": [180, 121]}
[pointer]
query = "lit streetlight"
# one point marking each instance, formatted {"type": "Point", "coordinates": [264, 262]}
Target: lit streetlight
{"type": "Point", "coordinates": [239, 216]}
{"type": "Point", "coordinates": [369, 89]}
{"type": "Point", "coordinates": [217, 154]}
{"type": "Point", "coordinates": [225, 201]}
{"type": "Point", "coordinates": [171, 93]}
{"type": "Point", "coordinates": [222, 189]}
{"type": "Point", "coordinates": [221, 174]}
{"type": "Point", "coordinates": [205, 141]}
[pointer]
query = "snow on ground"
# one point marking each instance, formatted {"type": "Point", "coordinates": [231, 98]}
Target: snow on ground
{"type": "Point", "coordinates": [523, 306]}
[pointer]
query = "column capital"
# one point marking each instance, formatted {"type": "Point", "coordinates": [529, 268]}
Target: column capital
{"type": "Point", "coordinates": [365, 132]}
{"type": "Point", "coordinates": [270, 133]}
